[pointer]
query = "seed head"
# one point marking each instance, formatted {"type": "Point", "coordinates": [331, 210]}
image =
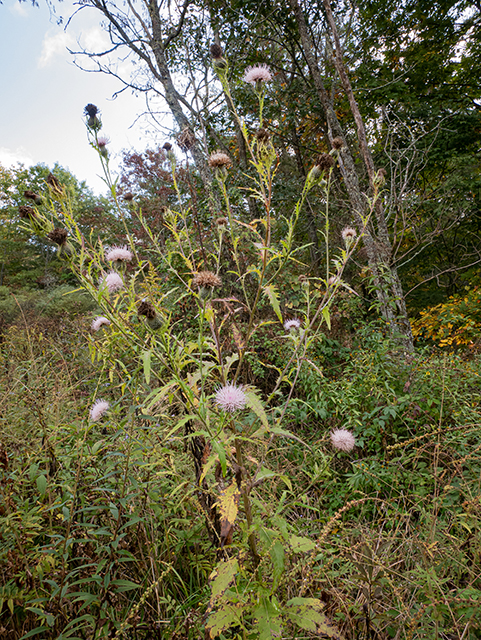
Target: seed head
{"type": "Point", "coordinates": [59, 236]}
{"type": "Point", "coordinates": [26, 212]}
{"type": "Point", "coordinates": [186, 140]}
{"type": "Point", "coordinates": [324, 162]}
{"type": "Point", "coordinates": [91, 111]}
{"type": "Point", "coordinates": [145, 308]}
{"type": "Point", "coordinates": [216, 51]}
{"type": "Point", "coordinates": [262, 135]}
{"type": "Point", "coordinates": [231, 398]}
{"type": "Point", "coordinates": [206, 279]}
{"type": "Point", "coordinates": [218, 160]}
{"type": "Point", "coordinates": [337, 143]}
{"type": "Point", "coordinates": [349, 235]}
{"type": "Point", "coordinates": [98, 409]}
{"type": "Point", "coordinates": [54, 183]}
{"type": "Point", "coordinates": [128, 197]}
{"type": "Point", "coordinates": [222, 222]}
{"type": "Point", "coordinates": [167, 146]}
{"type": "Point", "coordinates": [343, 439]}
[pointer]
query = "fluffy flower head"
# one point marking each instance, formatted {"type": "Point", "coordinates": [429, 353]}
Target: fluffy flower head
{"type": "Point", "coordinates": [259, 73]}
{"type": "Point", "coordinates": [219, 159]}
{"type": "Point", "coordinates": [119, 254]}
{"type": "Point", "coordinates": [99, 322]}
{"type": "Point", "coordinates": [206, 279]}
{"type": "Point", "coordinates": [230, 398]}
{"type": "Point", "coordinates": [292, 325]}
{"type": "Point", "coordinates": [343, 439]}
{"type": "Point", "coordinates": [112, 281]}
{"type": "Point", "coordinates": [98, 409]}
{"type": "Point", "coordinates": [348, 235]}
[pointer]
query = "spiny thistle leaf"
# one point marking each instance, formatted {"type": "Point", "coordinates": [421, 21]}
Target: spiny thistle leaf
{"type": "Point", "coordinates": [271, 293]}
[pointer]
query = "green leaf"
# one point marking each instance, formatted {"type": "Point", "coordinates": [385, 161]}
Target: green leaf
{"type": "Point", "coordinates": [146, 359]}
{"type": "Point", "coordinates": [42, 484]}
{"type": "Point", "coordinates": [34, 632]}
{"type": "Point", "coordinates": [301, 545]}
{"type": "Point", "coordinates": [222, 576]}
{"type": "Point", "coordinates": [268, 620]}
{"type": "Point", "coordinates": [306, 613]}
{"type": "Point", "coordinates": [225, 617]}
{"type": "Point", "coordinates": [287, 434]}
{"type": "Point", "coordinates": [327, 317]}
{"type": "Point", "coordinates": [277, 557]}
{"type": "Point", "coordinates": [254, 403]}
{"type": "Point", "coordinates": [124, 585]}
{"type": "Point", "coordinates": [271, 293]}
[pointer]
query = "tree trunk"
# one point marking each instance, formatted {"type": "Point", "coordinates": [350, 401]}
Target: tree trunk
{"type": "Point", "coordinates": [376, 239]}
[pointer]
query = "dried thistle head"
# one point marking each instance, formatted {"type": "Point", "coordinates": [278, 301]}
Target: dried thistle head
{"type": "Point", "coordinates": [92, 113]}
{"type": "Point", "coordinates": [25, 211]}
{"type": "Point", "coordinates": [145, 308]}
{"type": "Point", "coordinates": [222, 222]}
{"type": "Point", "coordinates": [167, 146]}
{"type": "Point", "coordinates": [324, 162]}
{"type": "Point", "coordinates": [337, 143]}
{"type": "Point", "coordinates": [59, 236]}
{"type": "Point", "coordinates": [218, 160]}
{"type": "Point", "coordinates": [205, 279]}
{"type": "Point", "coordinates": [91, 110]}
{"type": "Point", "coordinates": [216, 51]}
{"type": "Point", "coordinates": [129, 196]}
{"type": "Point", "coordinates": [262, 135]}
{"type": "Point", "coordinates": [54, 183]}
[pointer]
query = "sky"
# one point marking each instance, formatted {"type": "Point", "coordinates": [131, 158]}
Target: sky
{"type": "Point", "coordinates": [44, 93]}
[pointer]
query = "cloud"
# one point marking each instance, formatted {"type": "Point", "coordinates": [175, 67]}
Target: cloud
{"type": "Point", "coordinates": [9, 157]}
{"type": "Point", "coordinates": [55, 46]}
{"type": "Point", "coordinates": [19, 9]}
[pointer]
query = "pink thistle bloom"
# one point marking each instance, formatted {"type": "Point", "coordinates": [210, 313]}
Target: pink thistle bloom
{"type": "Point", "coordinates": [119, 254]}
{"type": "Point", "coordinates": [259, 73]}
{"type": "Point", "coordinates": [99, 322]}
{"type": "Point", "coordinates": [98, 409]}
{"type": "Point", "coordinates": [102, 141]}
{"type": "Point", "coordinates": [343, 439]}
{"type": "Point", "coordinates": [230, 398]}
{"type": "Point", "coordinates": [349, 235]}
{"type": "Point", "coordinates": [112, 281]}
{"type": "Point", "coordinates": [292, 325]}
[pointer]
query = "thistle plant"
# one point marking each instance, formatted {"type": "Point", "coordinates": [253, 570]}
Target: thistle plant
{"type": "Point", "coordinates": [156, 360]}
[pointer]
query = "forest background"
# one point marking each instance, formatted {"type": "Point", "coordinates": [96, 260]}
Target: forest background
{"type": "Point", "coordinates": [263, 421]}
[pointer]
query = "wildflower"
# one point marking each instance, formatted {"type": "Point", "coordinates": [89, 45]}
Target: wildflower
{"type": "Point", "coordinates": [230, 398]}
{"type": "Point", "coordinates": [112, 281]}
{"type": "Point", "coordinates": [349, 235]}
{"type": "Point", "coordinates": [218, 160]}
{"type": "Point", "coordinates": [343, 439]}
{"type": "Point", "coordinates": [119, 254]}
{"type": "Point", "coordinates": [99, 322]}
{"type": "Point", "coordinates": [102, 143]}
{"type": "Point", "coordinates": [128, 197]}
{"type": "Point", "coordinates": [262, 135]}
{"type": "Point", "coordinates": [205, 279]}
{"type": "Point", "coordinates": [98, 409]}
{"type": "Point", "coordinates": [334, 281]}
{"type": "Point", "coordinates": [59, 236]}
{"type": "Point", "coordinates": [222, 222]}
{"type": "Point", "coordinates": [167, 146]}
{"type": "Point", "coordinates": [257, 75]}
{"type": "Point", "coordinates": [292, 325]}
{"type": "Point", "coordinates": [91, 110]}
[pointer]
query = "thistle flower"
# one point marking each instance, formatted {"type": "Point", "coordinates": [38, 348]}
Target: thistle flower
{"type": "Point", "coordinates": [349, 235]}
{"type": "Point", "coordinates": [98, 409]}
{"type": "Point", "coordinates": [59, 236]}
{"type": "Point", "coordinates": [218, 160]}
{"type": "Point", "coordinates": [92, 112]}
{"type": "Point", "coordinates": [205, 279]}
{"type": "Point", "coordinates": [292, 325]}
{"type": "Point", "coordinates": [230, 398]}
{"type": "Point", "coordinates": [324, 162]}
{"type": "Point", "coordinates": [102, 143]}
{"type": "Point", "coordinates": [112, 281]}
{"type": "Point", "coordinates": [262, 135]}
{"type": "Point", "coordinates": [31, 195]}
{"type": "Point", "coordinates": [128, 197]}
{"type": "Point", "coordinates": [99, 322]}
{"type": "Point", "coordinates": [257, 75]}
{"type": "Point", "coordinates": [221, 222]}
{"type": "Point", "coordinates": [343, 439]}
{"type": "Point", "coordinates": [167, 146]}
{"type": "Point", "coordinates": [119, 254]}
